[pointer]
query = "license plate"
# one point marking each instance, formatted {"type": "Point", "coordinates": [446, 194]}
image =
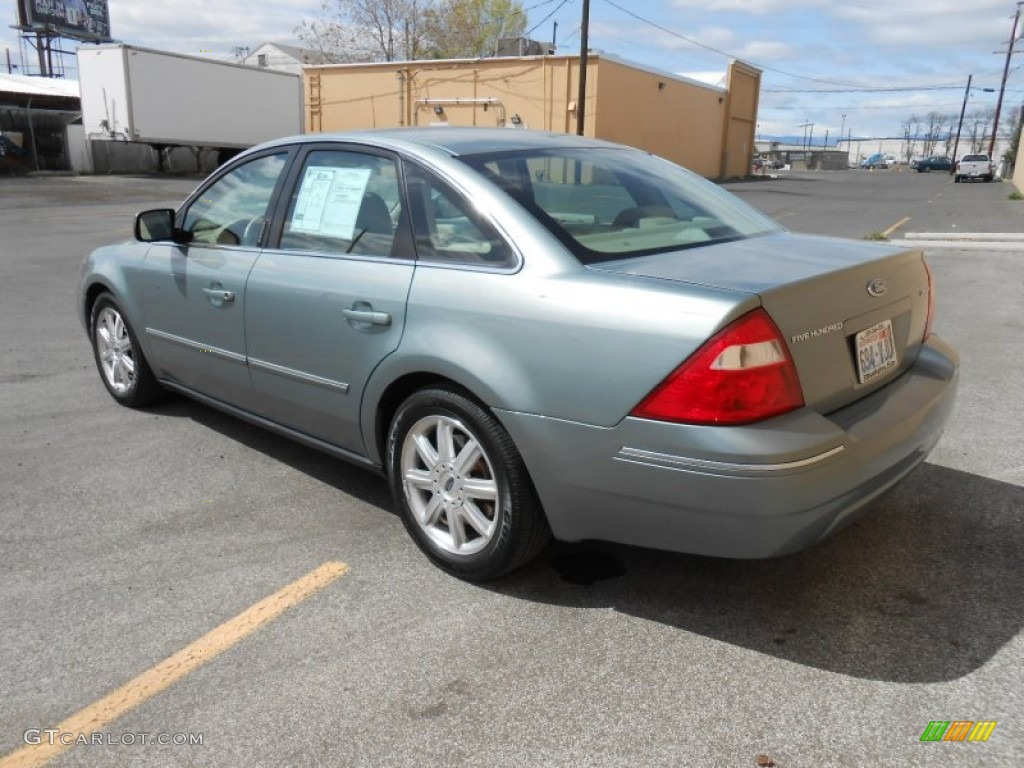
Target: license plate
{"type": "Point", "coordinates": [876, 351]}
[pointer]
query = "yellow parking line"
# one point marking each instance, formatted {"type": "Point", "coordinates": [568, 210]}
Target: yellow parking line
{"type": "Point", "coordinates": [895, 226]}
{"type": "Point", "coordinates": [156, 679]}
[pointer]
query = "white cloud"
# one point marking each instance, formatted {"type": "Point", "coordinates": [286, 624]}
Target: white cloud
{"type": "Point", "coordinates": [766, 50]}
{"type": "Point", "coordinates": [194, 26]}
{"type": "Point", "coordinates": [748, 6]}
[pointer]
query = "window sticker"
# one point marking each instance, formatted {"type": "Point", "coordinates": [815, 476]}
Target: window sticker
{"type": "Point", "coordinates": [329, 201]}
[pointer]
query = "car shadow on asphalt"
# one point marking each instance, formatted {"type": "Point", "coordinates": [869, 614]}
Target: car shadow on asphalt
{"type": "Point", "coordinates": [361, 483]}
{"type": "Point", "coordinates": [926, 587]}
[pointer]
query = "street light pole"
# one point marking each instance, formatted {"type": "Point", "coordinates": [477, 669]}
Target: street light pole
{"type": "Point", "coordinates": [1002, 88]}
{"type": "Point", "coordinates": [960, 125]}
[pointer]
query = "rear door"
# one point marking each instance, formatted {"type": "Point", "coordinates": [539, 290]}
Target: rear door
{"type": "Point", "coordinates": [327, 303]}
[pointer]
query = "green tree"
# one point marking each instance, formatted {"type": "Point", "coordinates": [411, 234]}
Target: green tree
{"type": "Point", "coordinates": [468, 28]}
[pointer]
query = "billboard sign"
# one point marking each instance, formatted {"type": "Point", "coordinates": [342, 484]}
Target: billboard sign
{"type": "Point", "coordinates": [87, 20]}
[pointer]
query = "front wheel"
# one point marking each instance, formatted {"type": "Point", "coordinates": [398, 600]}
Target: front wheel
{"type": "Point", "coordinates": [461, 486]}
{"type": "Point", "coordinates": [122, 366]}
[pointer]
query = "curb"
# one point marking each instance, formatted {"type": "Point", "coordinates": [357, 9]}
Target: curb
{"type": "Point", "coordinates": [963, 245]}
{"type": "Point", "coordinates": [987, 237]}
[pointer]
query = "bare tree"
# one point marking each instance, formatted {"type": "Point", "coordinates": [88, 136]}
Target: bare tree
{"type": "Point", "coordinates": [977, 123]}
{"type": "Point", "coordinates": [365, 30]}
{"type": "Point", "coordinates": [391, 30]}
{"type": "Point", "coordinates": [935, 125]}
{"type": "Point", "coordinates": [911, 131]}
{"type": "Point", "coordinates": [947, 132]}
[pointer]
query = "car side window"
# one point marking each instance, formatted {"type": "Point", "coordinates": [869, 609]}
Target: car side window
{"type": "Point", "coordinates": [447, 227]}
{"type": "Point", "coordinates": [344, 202]}
{"type": "Point", "coordinates": [232, 210]}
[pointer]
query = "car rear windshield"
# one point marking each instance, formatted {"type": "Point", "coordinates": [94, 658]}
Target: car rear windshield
{"type": "Point", "coordinates": [607, 203]}
{"type": "Point", "coordinates": [975, 158]}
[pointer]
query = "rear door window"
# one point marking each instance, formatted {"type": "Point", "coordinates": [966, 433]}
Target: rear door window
{"type": "Point", "coordinates": [344, 202]}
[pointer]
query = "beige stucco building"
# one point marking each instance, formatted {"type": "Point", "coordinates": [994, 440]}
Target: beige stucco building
{"type": "Point", "coordinates": [702, 127]}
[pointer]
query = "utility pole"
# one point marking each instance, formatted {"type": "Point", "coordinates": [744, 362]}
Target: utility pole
{"type": "Point", "coordinates": [1002, 88]}
{"type": "Point", "coordinates": [805, 126]}
{"type": "Point", "coordinates": [960, 125]}
{"type": "Point", "coordinates": [581, 97]}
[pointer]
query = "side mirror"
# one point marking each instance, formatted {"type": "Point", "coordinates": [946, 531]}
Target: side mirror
{"type": "Point", "coordinates": [157, 226]}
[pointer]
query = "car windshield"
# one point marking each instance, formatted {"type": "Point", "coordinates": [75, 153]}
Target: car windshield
{"type": "Point", "coordinates": [975, 158]}
{"type": "Point", "coordinates": [608, 203]}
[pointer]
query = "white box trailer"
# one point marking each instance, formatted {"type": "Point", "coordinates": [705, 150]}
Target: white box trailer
{"type": "Point", "coordinates": [168, 99]}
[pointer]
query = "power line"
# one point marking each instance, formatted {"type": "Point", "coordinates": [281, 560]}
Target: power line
{"type": "Point", "coordinates": [865, 89]}
{"type": "Point", "coordinates": [557, 9]}
{"type": "Point", "coordinates": [719, 51]}
{"type": "Point", "coordinates": [848, 87]}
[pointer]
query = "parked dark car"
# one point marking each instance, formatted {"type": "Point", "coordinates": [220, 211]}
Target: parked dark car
{"type": "Point", "coordinates": [934, 163]}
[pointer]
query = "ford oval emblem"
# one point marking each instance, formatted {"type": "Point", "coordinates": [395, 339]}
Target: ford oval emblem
{"type": "Point", "coordinates": [877, 287]}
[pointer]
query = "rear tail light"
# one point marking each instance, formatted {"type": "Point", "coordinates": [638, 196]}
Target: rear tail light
{"type": "Point", "coordinates": [930, 317]}
{"type": "Point", "coordinates": [742, 374]}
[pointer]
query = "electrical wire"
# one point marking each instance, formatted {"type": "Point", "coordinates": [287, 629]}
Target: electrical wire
{"type": "Point", "coordinates": [557, 9]}
{"type": "Point", "coordinates": [848, 87]}
{"type": "Point", "coordinates": [719, 51]}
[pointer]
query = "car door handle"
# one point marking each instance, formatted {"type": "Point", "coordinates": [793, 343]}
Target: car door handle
{"type": "Point", "coordinates": [367, 316]}
{"type": "Point", "coordinates": [220, 294]}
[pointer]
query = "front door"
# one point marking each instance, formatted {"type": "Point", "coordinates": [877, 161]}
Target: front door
{"type": "Point", "coordinates": [194, 294]}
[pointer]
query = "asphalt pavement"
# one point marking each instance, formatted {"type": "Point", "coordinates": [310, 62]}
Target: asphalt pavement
{"type": "Point", "coordinates": [127, 536]}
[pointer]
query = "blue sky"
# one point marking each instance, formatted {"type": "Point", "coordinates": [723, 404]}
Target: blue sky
{"type": "Point", "coordinates": [822, 59]}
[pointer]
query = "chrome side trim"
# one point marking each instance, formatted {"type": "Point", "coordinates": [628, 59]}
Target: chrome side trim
{"type": "Point", "coordinates": [216, 351]}
{"type": "Point", "coordinates": [291, 373]}
{"type": "Point", "coordinates": [672, 461]}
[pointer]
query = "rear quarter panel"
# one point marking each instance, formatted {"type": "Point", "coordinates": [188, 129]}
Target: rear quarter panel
{"type": "Point", "coordinates": [583, 346]}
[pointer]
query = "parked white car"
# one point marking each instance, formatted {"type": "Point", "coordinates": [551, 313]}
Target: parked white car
{"type": "Point", "coordinates": [974, 167]}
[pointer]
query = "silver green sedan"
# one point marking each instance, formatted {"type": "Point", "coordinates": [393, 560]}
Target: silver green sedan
{"type": "Point", "coordinates": [534, 335]}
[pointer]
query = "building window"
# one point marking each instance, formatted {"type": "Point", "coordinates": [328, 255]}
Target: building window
{"type": "Point", "coordinates": [261, 59]}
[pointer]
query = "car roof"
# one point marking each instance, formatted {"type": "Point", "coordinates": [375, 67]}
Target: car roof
{"type": "Point", "coordinates": [455, 140]}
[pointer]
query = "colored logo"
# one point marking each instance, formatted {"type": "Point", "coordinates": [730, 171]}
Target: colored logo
{"type": "Point", "coordinates": [958, 730]}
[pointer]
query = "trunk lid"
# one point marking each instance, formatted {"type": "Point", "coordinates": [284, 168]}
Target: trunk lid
{"type": "Point", "coordinates": [822, 293]}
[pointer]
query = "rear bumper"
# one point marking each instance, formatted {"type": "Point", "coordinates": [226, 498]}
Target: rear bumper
{"type": "Point", "coordinates": [745, 492]}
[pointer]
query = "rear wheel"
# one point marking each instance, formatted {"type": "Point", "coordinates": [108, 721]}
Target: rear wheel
{"type": "Point", "coordinates": [461, 486]}
{"type": "Point", "coordinates": [122, 366]}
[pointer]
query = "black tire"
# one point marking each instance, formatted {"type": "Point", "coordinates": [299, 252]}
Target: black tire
{"type": "Point", "coordinates": [956, 179]}
{"type": "Point", "coordinates": [436, 501]}
{"type": "Point", "coordinates": [123, 368]}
